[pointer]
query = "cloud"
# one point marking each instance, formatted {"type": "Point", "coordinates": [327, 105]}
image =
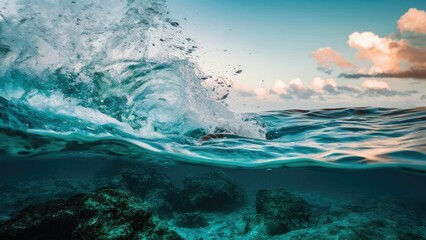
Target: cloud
{"type": "Point", "coordinates": [377, 87]}
{"type": "Point", "coordinates": [327, 59]}
{"type": "Point", "coordinates": [260, 91]}
{"type": "Point", "coordinates": [414, 74]}
{"type": "Point", "coordinates": [413, 21]}
{"type": "Point", "coordinates": [321, 86]}
{"type": "Point", "coordinates": [393, 56]}
{"type": "Point", "coordinates": [279, 87]}
{"type": "Point", "coordinates": [329, 86]}
{"type": "Point", "coordinates": [246, 91]}
{"type": "Point", "coordinates": [389, 56]}
{"type": "Point", "coordinates": [375, 49]}
{"type": "Point", "coordinates": [297, 90]}
{"type": "Point", "coordinates": [243, 90]}
{"type": "Point", "coordinates": [348, 89]}
{"type": "Point", "coordinates": [321, 89]}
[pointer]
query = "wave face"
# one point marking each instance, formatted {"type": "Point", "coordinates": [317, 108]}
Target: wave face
{"type": "Point", "coordinates": [116, 79]}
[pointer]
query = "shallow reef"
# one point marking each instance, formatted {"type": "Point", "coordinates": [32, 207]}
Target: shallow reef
{"type": "Point", "coordinates": [104, 214]}
{"type": "Point", "coordinates": [145, 203]}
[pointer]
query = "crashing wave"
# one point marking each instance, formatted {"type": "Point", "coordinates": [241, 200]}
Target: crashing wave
{"type": "Point", "coordinates": [118, 63]}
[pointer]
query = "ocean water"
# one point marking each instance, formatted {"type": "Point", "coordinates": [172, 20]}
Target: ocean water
{"type": "Point", "coordinates": [89, 89]}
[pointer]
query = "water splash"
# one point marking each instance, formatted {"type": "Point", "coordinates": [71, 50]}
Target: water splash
{"type": "Point", "coordinates": [118, 64]}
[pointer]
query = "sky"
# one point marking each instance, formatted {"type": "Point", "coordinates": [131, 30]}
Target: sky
{"type": "Point", "coordinates": [308, 53]}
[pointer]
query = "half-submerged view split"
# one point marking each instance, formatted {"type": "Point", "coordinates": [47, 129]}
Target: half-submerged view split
{"type": "Point", "coordinates": [214, 119]}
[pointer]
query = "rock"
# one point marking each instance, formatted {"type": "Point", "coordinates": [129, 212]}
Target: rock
{"type": "Point", "coordinates": [282, 211]}
{"type": "Point", "coordinates": [19, 195]}
{"type": "Point", "coordinates": [191, 220]}
{"type": "Point", "coordinates": [143, 181]}
{"type": "Point", "coordinates": [214, 191]}
{"type": "Point", "coordinates": [110, 214]}
{"type": "Point", "coordinates": [50, 220]}
{"type": "Point", "coordinates": [104, 214]}
{"type": "Point", "coordinates": [152, 186]}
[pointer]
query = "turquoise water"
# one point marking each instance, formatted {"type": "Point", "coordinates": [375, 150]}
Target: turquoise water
{"type": "Point", "coordinates": [84, 94]}
{"type": "Point", "coordinates": [337, 138]}
{"type": "Point", "coordinates": [125, 84]}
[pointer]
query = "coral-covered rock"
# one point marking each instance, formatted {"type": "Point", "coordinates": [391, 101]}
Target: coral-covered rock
{"type": "Point", "coordinates": [105, 214]}
{"type": "Point", "coordinates": [282, 211]}
{"type": "Point", "coordinates": [213, 191]}
{"type": "Point", "coordinates": [110, 214]}
{"type": "Point", "coordinates": [191, 220]}
{"type": "Point", "coordinates": [50, 220]}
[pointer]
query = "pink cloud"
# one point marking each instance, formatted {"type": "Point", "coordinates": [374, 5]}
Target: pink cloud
{"type": "Point", "coordinates": [375, 85]}
{"type": "Point", "coordinates": [413, 20]}
{"type": "Point", "coordinates": [386, 54]}
{"type": "Point", "coordinates": [382, 52]}
{"type": "Point", "coordinates": [242, 89]}
{"type": "Point", "coordinates": [279, 87]}
{"type": "Point", "coordinates": [260, 92]}
{"type": "Point", "coordinates": [320, 85]}
{"type": "Point", "coordinates": [389, 56]}
{"type": "Point", "coordinates": [328, 58]}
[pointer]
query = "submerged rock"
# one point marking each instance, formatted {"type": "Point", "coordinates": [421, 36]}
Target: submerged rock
{"type": "Point", "coordinates": [16, 196]}
{"type": "Point", "coordinates": [105, 214]}
{"type": "Point", "coordinates": [153, 186]}
{"type": "Point", "coordinates": [191, 220]}
{"type": "Point", "coordinates": [50, 220]}
{"type": "Point", "coordinates": [214, 191]}
{"type": "Point", "coordinates": [146, 180]}
{"type": "Point", "coordinates": [282, 211]}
